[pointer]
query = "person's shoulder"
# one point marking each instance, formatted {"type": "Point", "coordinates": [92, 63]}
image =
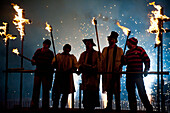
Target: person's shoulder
{"type": "Point", "coordinates": [105, 48]}
{"type": "Point", "coordinates": [119, 48]}
{"type": "Point", "coordinates": [140, 48]}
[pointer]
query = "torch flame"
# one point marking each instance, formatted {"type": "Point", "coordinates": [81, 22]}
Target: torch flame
{"type": "Point", "coordinates": [93, 21]}
{"type": "Point", "coordinates": [4, 28]}
{"type": "Point", "coordinates": [125, 30]}
{"type": "Point", "coordinates": [154, 21]}
{"type": "Point", "coordinates": [15, 51]}
{"type": "Point", "coordinates": [48, 27]}
{"type": "Point", "coordinates": [19, 21]}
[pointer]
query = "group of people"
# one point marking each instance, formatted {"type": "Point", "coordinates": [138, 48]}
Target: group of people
{"type": "Point", "coordinates": [109, 63]}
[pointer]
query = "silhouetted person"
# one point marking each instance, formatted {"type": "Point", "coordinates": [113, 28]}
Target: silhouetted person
{"type": "Point", "coordinates": [65, 63]}
{"type": "Point", "coordinates": [44, 73]}
{"type": "Point", "coordinates": [134, 59]}
{"type": "Point", "coordinates": [111, 62]}
{"type": "Point", "coordinates": [89, 63]}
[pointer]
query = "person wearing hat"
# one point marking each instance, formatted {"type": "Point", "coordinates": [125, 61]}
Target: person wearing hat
{"type": "Point", "coordinates": [134, 59]}
{"type": "Point", "coordinates": [44, 74]}
{"type": "Point", "coordinates": [89, 64]}
{"type": "Point", "coordinates": [111, 62]}
{"type": "Point", "coordinates": [65, 63]}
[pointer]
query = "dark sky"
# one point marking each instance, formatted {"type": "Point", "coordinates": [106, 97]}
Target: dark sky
{"type": "Point", "coordinates": [71, 22]}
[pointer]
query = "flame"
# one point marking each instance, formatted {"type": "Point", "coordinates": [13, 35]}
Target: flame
{"type": "Point", "coordinates": [15, 51]}
{"type": "Point", "coordinates": [154, 21]}
{"type": "Point", "coordinates": [19, 20]}
{"type": "Point", "coordinates": [48, 27]}
{"type": "Point", "coordinates": [7, 36]}
{"type": "Point", "coordinates": [93, 21]}
{"type": "Point", "coordinates": [3, 28]}
{"type": "Point", "coordinates": [125, 30]}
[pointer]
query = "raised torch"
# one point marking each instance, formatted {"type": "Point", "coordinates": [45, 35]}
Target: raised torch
{"type": "Point", "coordinates": [127, 32]}
{"type": "Point", "coordinates": [49, 29]}
{"type": "Point", "coordinates": [16, 52]}
{"type": "Point", "coordinates": [94, 22]}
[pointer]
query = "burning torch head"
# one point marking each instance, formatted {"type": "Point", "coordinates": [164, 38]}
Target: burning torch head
{"type": "Point", "coordinates": [113, 35]}
{"type": "Point", "coordinates": [47, 42]}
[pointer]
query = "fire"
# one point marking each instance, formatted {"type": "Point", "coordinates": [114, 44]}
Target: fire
{"type": "Point", "coordinates": [125, 30]}
{"type": "Point", "coordinates": [93, 21]}
{"type": "Point", "coordinates": [3, 28]}
{"type": "Point", "coordinates": [7, 36]}
{"type": "Point", "coordinates": [19, 20]}
{"type": "Point", "coordinates": [48, 27]}
{"type": "Point", "coordinates": [154, 21]}
{"type": "Point", "coordinates": [15, 51]}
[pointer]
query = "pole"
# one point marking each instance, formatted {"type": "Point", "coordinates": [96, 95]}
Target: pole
{"type": "Point", "coordinates": [21, 76]}
{"type": "Point", "coordinates": [53, 43]}
{"type": "Point", "coordinates": [126, 42]}
{"type": "Point", "coordinates": [6, 74]}
{"type": "Point", "coordinates": [158, 101]}
{"type": "Point", "coordinates": [162, 81]}
{"type": "Point", "coordinates": [95, 22]}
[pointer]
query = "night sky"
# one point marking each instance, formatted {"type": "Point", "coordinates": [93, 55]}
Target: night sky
{"type": "Point", "coordinates": [71, 22]}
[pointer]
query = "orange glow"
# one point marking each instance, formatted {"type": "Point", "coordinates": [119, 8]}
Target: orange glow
{"type": "Point", "coordinates": [48, 27]}
{"type": "Point", "coordinates": [9, 36]}
{"type": "Point", "coordinates": [154, 21]}
{"type": "Point", "coordinates": [93, 21]}
{"type": "Point", "coordinates": [69, 101]}
{"type": "Point", "coordinates": [125, 30]}
{"type": "Point", "coordinates": [19, 20]}
{"type": "Point", "coordinates": [15, 51]}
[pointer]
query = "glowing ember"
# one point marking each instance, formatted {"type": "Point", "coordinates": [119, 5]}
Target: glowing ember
{"type": "Point", "coordinates": [94, 21]}
{"type": "Point", "coordinates": [125, 30]}
{"type": "Point", "coordinates": [154, 21]}
{"type": "Point", "coordinates": [48, 27]}
{"type": "Point", "coordinates": [15, 51]}
{"type": "Point", "coordinates": [19, 20]}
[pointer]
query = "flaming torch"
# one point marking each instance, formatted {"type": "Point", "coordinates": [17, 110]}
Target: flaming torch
{"type": "Point", "coordinates": [126, 32]}
{"type": "Point", "coordinates": [155, 18]}
{"type": "Point", "coordinates": [20, 22]}
{"type": "Point", "coordinates": [94, 22]}
{"type": "Point", "coordinates": [7, 36]}
{"type": "Point", "coordinates": [49, 29]}
{"type": "Point", "coordinates": [16, 52]}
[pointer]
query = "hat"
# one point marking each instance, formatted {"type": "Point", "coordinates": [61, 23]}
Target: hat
{"type": "Point", "coordinates": [133, 40]}
{"type": "Point", "coordinates": [90, 40]}
{"type": "Point", "coordinates": [113, 35]}
{"type": "Point", "coordinates": [47, 41]}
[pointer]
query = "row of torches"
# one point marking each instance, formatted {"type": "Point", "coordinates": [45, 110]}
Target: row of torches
{"type": "Point", "coordinates": [20, 22]}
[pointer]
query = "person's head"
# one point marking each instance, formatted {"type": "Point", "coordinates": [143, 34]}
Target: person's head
{"type": "Point", "coordinates": [46, 43]}
{"type": "Point", "coordinates": [89, 43]}
{"type": "Point", "coordinates": [132, 42]}
{"type": "Point", "coordinates": [67, 48]}
{"type": "Point", "coordinates": [112, 39]}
